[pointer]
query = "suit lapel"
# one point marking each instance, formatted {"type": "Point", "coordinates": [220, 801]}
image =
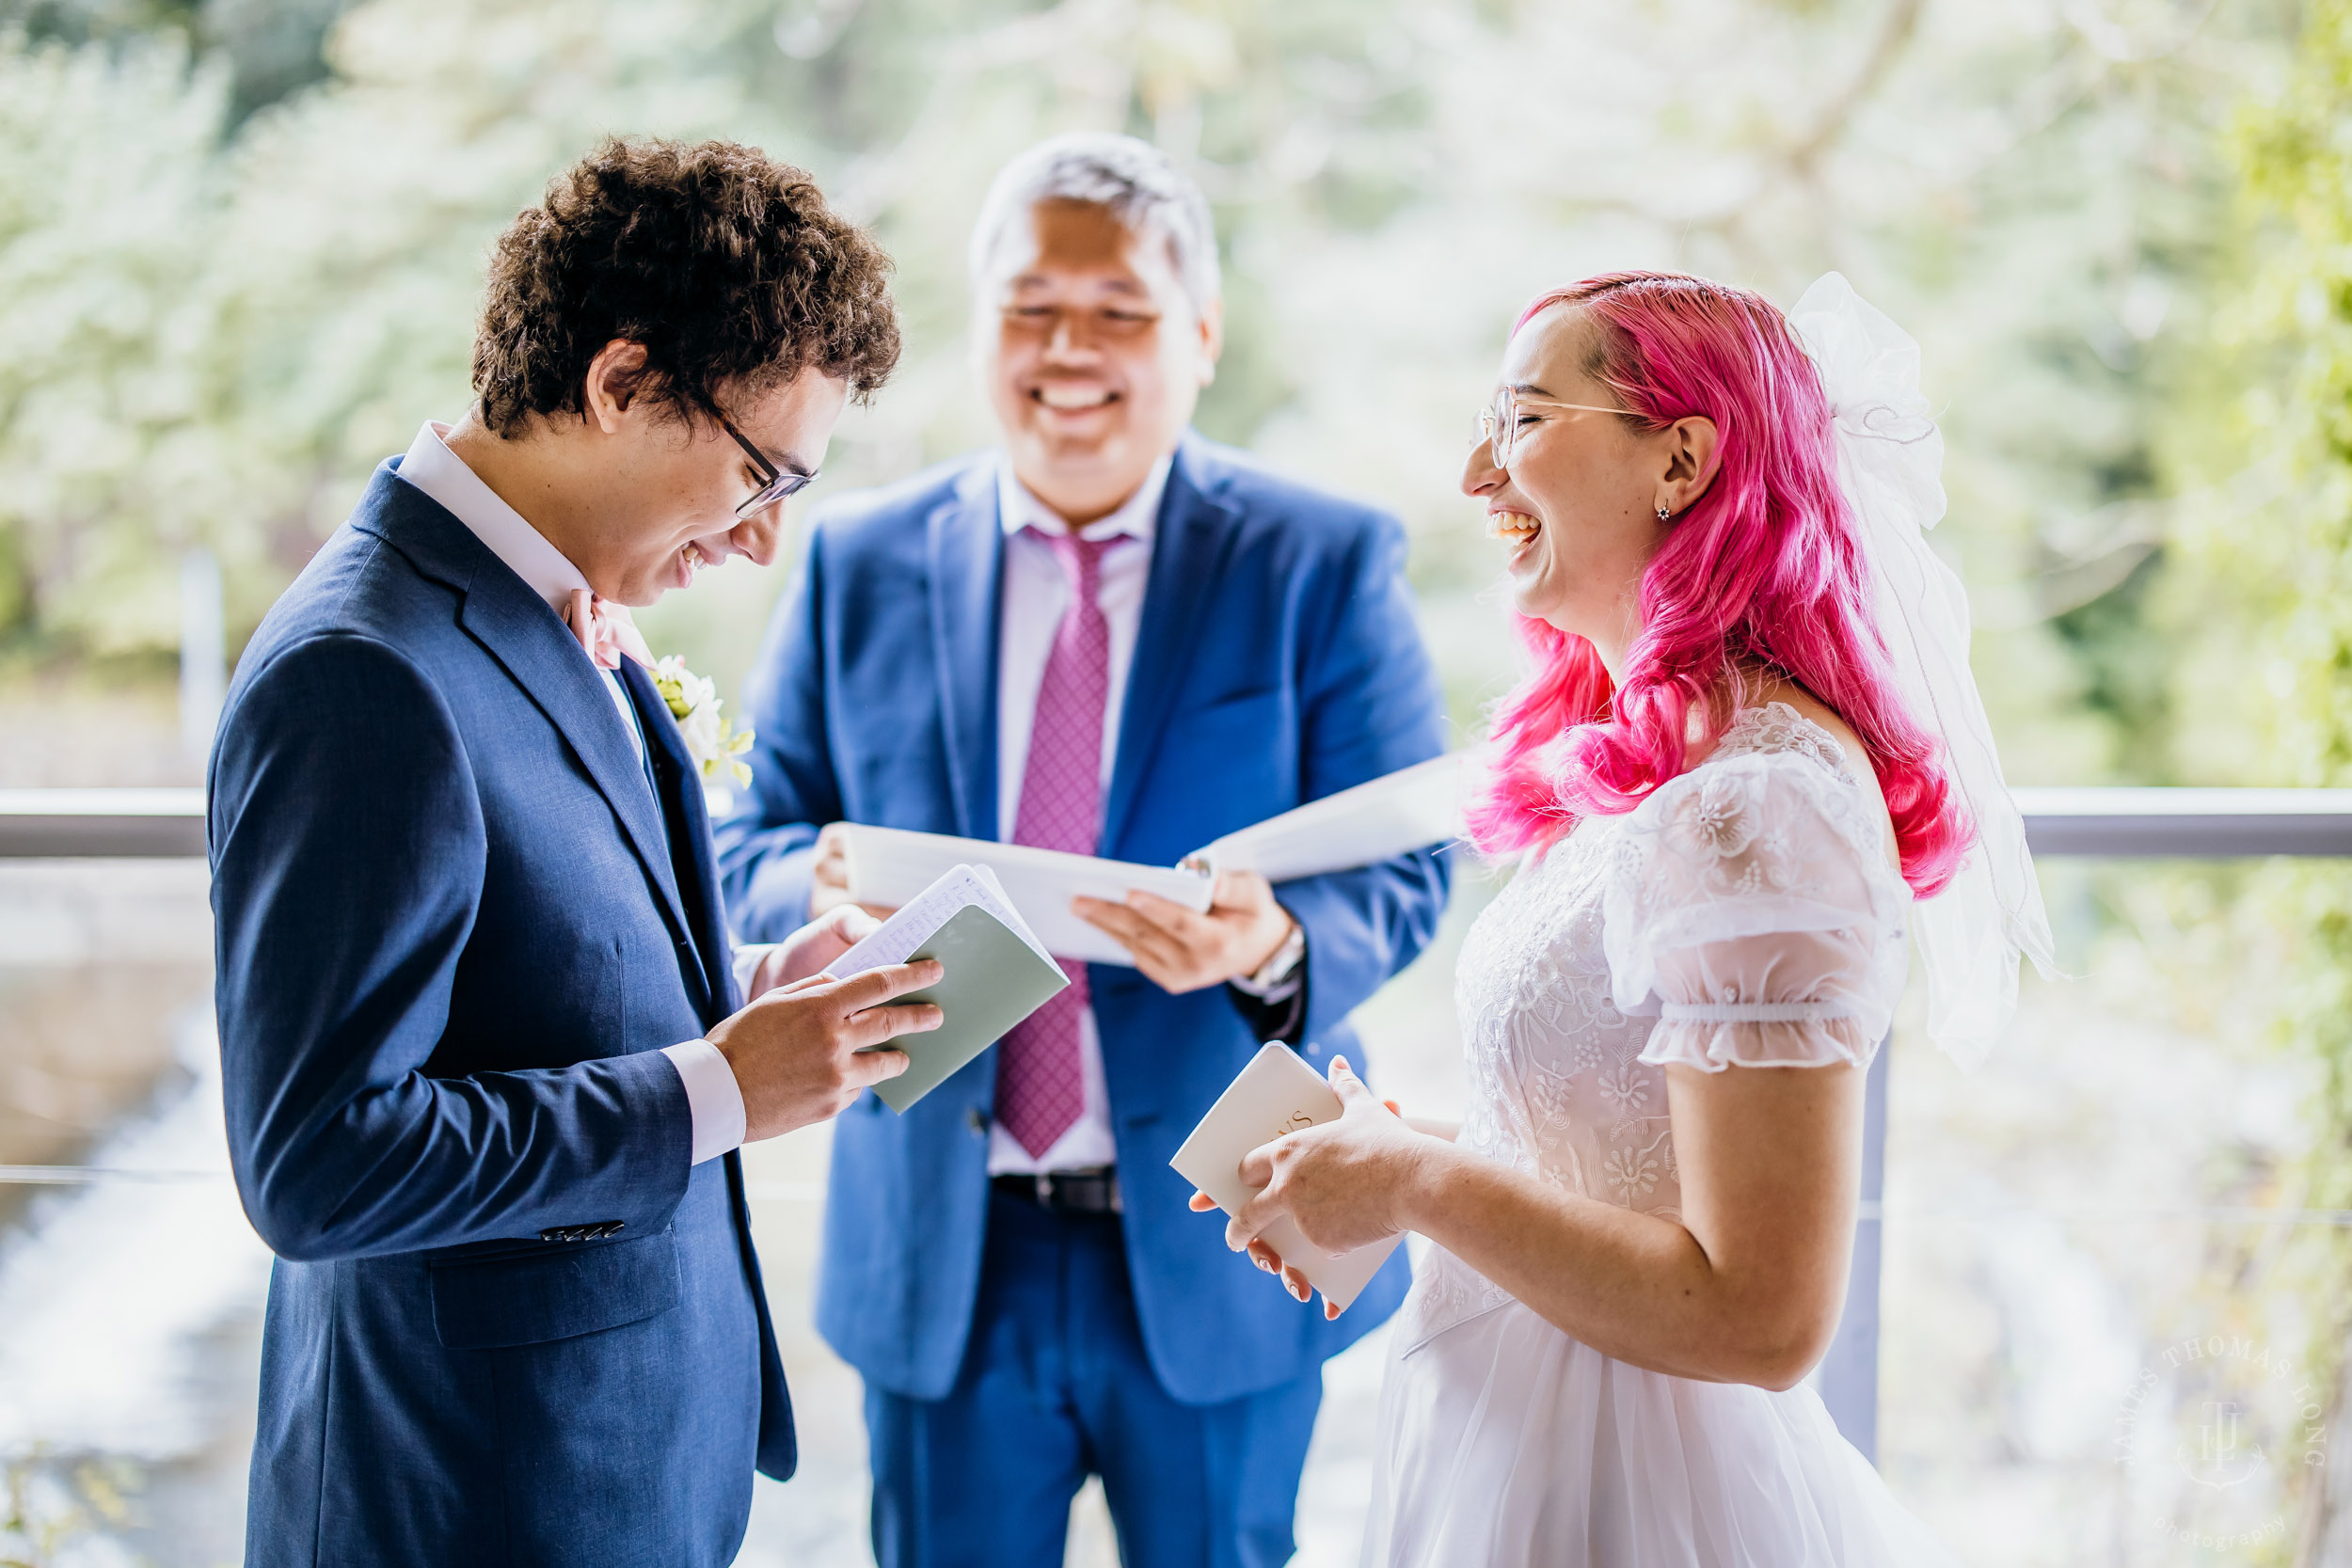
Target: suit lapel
{"type": "Point", "coordinates": [967, 553]}
{"type": "Point", "coordinates": [518, 629]}
{"type": "Point", "coordinates": [690, 840]}
{"type": "Point", "coordinates": [1188, 551]}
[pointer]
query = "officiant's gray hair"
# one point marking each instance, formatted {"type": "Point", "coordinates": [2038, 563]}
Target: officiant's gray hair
{"type": "Point", "coordinates": [1140, 186]}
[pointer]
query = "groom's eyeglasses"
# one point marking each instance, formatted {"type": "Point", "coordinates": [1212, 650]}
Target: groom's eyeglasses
{"type": "Point", "coordinates": [1500, 424]}
{"type": "Point", "coordinates": [775, 483]}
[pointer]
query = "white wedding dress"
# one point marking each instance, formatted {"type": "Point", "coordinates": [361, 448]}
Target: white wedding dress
{"type": "Point", "coordinates": [1749, 908]}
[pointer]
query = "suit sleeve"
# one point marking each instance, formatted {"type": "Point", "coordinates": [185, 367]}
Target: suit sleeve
{"type": "Point", "coordinates": [1370, 705]}
{"type": "Point", "coordinates": [767, 843]}
{"type": "Point", "coordinates": [348, 849]}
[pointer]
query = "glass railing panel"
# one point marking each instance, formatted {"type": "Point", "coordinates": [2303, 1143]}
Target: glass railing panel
{"type": "Point", "coordinates": [131, 1285]}
{"type": "Point", "coordinates": [2071, 1229]}
{"type": "Point", "coordinates": [2114, 1185]}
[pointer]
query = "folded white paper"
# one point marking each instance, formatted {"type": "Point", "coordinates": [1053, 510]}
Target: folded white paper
{"type": "Point", "coordinates": [1277, 1093]}
{"type": "Point", "coordinates": [925, 911]}
{"type": "Point", "coordinates": [1407, 810]}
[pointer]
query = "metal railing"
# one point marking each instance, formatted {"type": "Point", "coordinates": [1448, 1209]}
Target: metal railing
{"type": "Point", "coordinates": [2115, 824]}
{"type": "Point", "coordinates": [2203, 824]}
{"type": "Point", "coordinates": [73, 824]}
{"type": "Point", "coordinates": [2206, 824]}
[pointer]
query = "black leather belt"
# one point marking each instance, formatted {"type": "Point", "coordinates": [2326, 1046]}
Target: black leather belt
{"type": "Point", "coordinates": [1070, 1192]}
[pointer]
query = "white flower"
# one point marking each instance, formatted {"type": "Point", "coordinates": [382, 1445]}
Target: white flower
{"type": "Point", "coordinates": [711, 739]}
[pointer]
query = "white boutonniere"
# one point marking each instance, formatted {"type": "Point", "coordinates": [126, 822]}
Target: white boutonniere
{"type": "Point", "coordinates": [711, 739]}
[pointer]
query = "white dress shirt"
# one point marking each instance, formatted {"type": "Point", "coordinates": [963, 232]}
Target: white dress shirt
{"type": "Point", "coordinates": [713, 1098]}
{"type": "Point", "coordinates": [1035, 592]}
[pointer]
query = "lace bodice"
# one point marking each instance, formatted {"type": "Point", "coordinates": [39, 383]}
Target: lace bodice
{"type": "Point", "coordinates": [1746, 913]}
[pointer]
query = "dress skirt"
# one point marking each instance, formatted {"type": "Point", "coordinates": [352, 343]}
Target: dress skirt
{"type": "Point", "coordinates": [1505, 1442]}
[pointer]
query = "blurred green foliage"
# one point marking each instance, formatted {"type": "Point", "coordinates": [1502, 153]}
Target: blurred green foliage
{"type": "Point", "coordinates": [271, 47]}
{"type": "Point", "coordinates": [2270, 452]}
{"type": "Point", "coordinates": [240, 243]}
{"type": "Point", "coordinates": [49, 1508]}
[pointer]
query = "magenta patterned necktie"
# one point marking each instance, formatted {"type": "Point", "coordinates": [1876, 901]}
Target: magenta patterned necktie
{"type": "Point", "coordinates": [1041, 1089]}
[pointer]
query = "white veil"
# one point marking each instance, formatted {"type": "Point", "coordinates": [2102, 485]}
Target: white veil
{"type": "Point", "coordinates": [1890, 461]}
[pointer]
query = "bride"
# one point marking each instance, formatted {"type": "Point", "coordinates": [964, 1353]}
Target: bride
{"type": "Point", "coordinates": [1749, 745]}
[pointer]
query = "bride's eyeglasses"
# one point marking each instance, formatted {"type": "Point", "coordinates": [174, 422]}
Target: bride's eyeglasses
{"type": "Point", "coordinates": [1499, 426]}
{"type": "Point", "coordinates": [775, 483]}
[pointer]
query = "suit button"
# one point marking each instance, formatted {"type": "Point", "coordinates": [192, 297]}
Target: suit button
{"type": "Point", "coordinates": [582, 1232]}
{"type": "Point", "coordinates": [977, 1120]}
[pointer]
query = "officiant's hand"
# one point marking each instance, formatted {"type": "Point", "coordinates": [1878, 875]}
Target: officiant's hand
{"type": "Point", "coordinates": [803, 1052]}
{"type": "Point", "coordinates": [1180, 950]}
{"type": "Point", "coordinates": [829, 874]}
{"type": "Point", "coordinates": [811, 949]}
{"type": "Point", "coordinates": [1338, 1183]}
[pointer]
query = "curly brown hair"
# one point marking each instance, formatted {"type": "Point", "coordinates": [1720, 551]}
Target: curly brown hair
{"type": "Point", "coordinates": [726, 265]}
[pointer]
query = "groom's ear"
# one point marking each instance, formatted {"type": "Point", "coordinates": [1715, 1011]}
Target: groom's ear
{"type": "Point", "coordinates": [617, 382]}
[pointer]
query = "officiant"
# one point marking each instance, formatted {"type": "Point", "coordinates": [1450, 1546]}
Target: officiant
{"type": "Point", "coordinates": [1113, 637]}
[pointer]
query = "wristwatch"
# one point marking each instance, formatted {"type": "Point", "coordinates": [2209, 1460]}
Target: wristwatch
{"type": "Point", "coordinates": [1274, 973]}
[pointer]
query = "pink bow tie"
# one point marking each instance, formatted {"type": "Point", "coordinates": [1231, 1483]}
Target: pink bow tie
{"type": "Point", "coordinates": [605, 630]}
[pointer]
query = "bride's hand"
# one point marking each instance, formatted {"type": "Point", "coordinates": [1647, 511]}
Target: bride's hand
{"type": "Point", "coordinates": [1339, 1184]}
{"type": "Point", "coordinates": [1271, 1261]}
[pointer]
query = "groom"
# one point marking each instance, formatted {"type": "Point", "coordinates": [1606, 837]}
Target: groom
{"type": "Point", "coordinates": [484, 1063]}
{"type": "Point", "coordinates": [1110, 637]}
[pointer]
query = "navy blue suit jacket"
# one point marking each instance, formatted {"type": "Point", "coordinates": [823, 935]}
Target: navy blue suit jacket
{"type": "Point", "coordinates": [455, 929]}
{"type": "Point", "coordinates": [1277, 661]}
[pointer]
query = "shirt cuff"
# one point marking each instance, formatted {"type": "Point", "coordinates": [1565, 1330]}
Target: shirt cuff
{"type": "Point", "coordinates": [747, 961]}
{"type": "Point", "coordinates": [1278, 978]}
{"type": "Point", "coordinates": [713, 1099]}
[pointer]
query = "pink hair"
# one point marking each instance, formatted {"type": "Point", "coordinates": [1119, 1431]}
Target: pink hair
{"type": "Point", "coordinates": [1764, 568]}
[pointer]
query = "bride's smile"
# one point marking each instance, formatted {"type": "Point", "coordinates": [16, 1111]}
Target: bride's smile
{"type": "Point", "coordinates": [1580, 489]}
{"type": "Point", "coordinates": [1514, 527]}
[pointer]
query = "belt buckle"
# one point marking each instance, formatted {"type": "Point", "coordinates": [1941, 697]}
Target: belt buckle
{"type": "Point", "coordinates": [1056, 1192]}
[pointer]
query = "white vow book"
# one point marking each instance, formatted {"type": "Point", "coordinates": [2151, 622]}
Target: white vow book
{"type": "Point", "coordinates": [1377, 820]}
{"type": "Point", "coordinates": [888, 866]}
{"type": "Point", "coordinates": [1373, 822]}
{"type": "Point", "coordinates": [1277, 1093]}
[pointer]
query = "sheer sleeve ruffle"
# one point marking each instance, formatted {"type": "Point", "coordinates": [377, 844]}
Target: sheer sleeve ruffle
{"type": "Point", "coordinates": [1751, 908]}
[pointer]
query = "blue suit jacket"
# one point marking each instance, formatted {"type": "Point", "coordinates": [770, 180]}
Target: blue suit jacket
{"type": "Point", "coordinates": [1277, 661]}
{"type": "Point", "coordinates": [453, 931]}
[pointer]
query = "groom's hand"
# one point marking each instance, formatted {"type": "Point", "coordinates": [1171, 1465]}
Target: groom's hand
{"type": "Point", "coordinates": [802, 1053]}
{"type": "Point", "coordinates": [1180, 950]}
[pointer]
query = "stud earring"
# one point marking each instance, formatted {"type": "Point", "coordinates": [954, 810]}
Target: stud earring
{"type": "Point", "coordinates": [1664, 515]}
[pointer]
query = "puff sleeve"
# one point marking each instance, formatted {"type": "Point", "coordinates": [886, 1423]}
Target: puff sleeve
{"type": "Point", "coordinates": [1751, 908]}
